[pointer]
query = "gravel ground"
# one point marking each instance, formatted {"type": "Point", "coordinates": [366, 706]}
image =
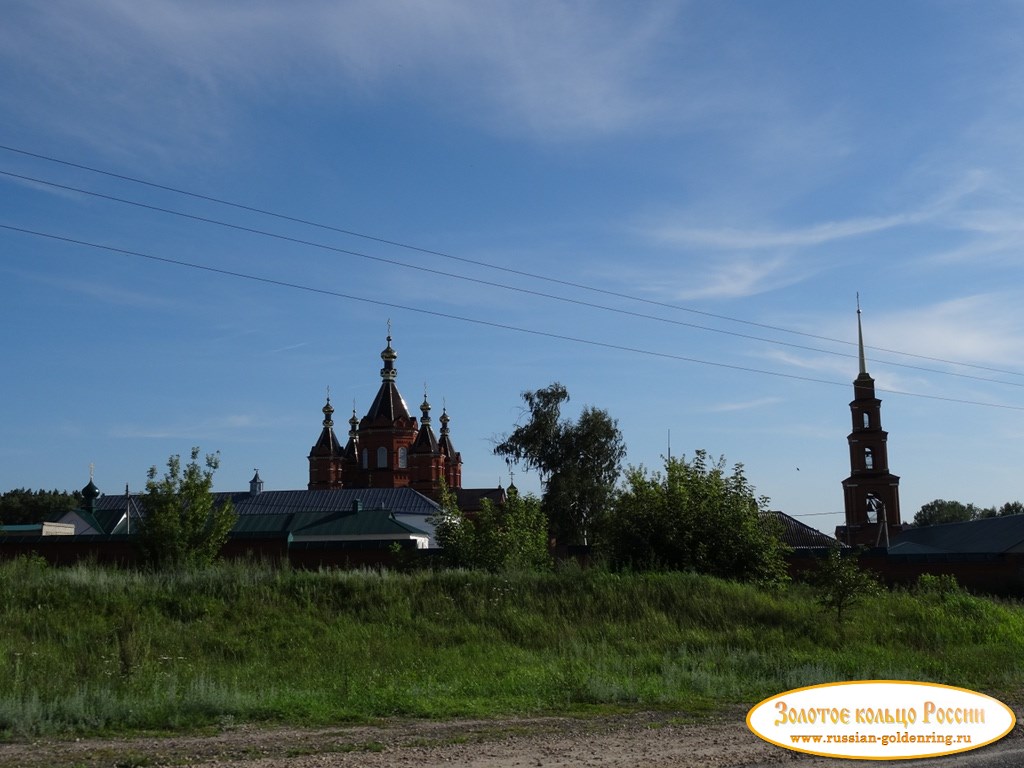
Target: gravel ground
{"type": "Point", "coordinates": [651, 740]}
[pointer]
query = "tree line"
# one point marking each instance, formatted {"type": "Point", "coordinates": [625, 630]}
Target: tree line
{"type": "Point", "coordinates": [22, 506]}
{"type": "Point", "coordinates": [941, 511]}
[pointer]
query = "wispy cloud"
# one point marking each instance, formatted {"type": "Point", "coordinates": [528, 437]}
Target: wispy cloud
{"type": "Point", "coordinates": [717, 277]}
{"type": "Point", "coordinates": [745, 405]}
{"type": "Point", "coordinates": [675, 231]}
{"type": "Point", "coordinates": [100, 291]}
{"type": "Point", "coordinates": [983, 329]}
{"type": "Point", "coordinates": [288, 348]}
{"type": "Point", "coordinates": [550, 69]}
{"type": "Point", "coordinates": [732, 238]}
{"type": "Point", "coordinates": [736, 278]}
{"type": "Point", "coordinates": [979, 330]}
{"type": "Point", "coordinates": [217, 427]}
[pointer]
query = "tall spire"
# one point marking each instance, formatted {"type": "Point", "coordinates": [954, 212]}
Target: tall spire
{"type": "Point", "coordinates": [860, 341]}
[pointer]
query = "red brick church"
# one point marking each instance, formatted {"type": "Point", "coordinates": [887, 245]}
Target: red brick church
{"type": "Point", "coordinates": [387, 448]}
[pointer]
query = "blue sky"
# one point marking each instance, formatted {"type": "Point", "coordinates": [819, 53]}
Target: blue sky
{"type": "Point", "coordinates": [727, 176]}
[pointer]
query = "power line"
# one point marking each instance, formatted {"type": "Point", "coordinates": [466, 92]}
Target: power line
{"type": "Point", "coordinates": [477, 321]}
{"type": "Point", "coordinates": [478, 281]}
{"type": "Point", "coordinates": [509, 270]}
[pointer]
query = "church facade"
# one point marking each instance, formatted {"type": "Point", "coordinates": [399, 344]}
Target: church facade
{"type": "Point", "coordinates": [388, 447]}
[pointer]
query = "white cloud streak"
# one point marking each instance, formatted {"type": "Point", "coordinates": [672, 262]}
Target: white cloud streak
{"type": "Point", "coordinates": [745, 405]}
{"type": "Point", "coordinates": [547, 69]}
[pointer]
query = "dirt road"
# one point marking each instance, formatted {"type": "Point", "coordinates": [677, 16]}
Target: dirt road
{"type": "Point", "coordinates": [651, 740]}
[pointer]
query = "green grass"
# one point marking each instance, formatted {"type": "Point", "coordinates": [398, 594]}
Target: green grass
{"type": "Point", "coordinates": [87, 650]}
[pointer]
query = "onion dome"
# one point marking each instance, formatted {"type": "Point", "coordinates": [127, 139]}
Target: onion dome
{"type": "Point", "coordinates": [445, 441]}
{"type": "Point", "coordinates": [327, 444]}
{"type": "Point", "coordinates": [90, 492]}
{"type": "Point", "coordinates": [388, 355]}
{"type": "Point", "coordinates": [388, 405]}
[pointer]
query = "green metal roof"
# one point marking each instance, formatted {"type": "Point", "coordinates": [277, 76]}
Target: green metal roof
{"type": "Point", "coordinates": [986, 536]}
{"type": "Point", "coordinates": [366, 522]}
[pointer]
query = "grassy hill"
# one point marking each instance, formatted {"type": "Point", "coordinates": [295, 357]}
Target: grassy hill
{"type": "Point", "coordinates": [90, 650]}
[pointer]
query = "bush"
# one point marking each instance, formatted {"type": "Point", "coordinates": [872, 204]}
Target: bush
{"type": "Point", "coordinates": [694, 517]}
{"type": "Point", "coordinates": [510, 537]}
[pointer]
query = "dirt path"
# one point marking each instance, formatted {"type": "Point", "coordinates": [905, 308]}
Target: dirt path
{"type": "Point", "coordinates": [651, 740]}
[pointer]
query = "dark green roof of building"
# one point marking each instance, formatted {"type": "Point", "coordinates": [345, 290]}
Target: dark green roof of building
{"type": "Point", "coordinates": [401, 501]}
{"type": "Point", "coordinates": [992, 535]}
{"type": "Point", "coordinates": [364, 523]}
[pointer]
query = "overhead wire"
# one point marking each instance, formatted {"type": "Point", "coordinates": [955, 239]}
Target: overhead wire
{"type": "Point", "coordinates": [478, 321]}
{"type": "Point", "coordinates": [478, 281]}
{"type": "Point", "coordinates": [510, 270]}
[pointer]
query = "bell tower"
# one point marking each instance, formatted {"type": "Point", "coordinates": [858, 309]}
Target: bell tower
{"type": "Point", "coordinates": [871, 492]}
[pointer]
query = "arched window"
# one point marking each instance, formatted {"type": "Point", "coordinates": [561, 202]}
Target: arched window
{"type": "Point", "coordinates": [382, 457]}
{"type": "Point", "coordinates": [869, 459]}
{"type": "Point", "coordinates": [366, 458]}
{"type": "Point", "coordinates": [867, 420]}
{"type": "Point", "coordinates": [403, 457]}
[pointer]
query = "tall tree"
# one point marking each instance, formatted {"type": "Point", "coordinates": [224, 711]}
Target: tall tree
{"type": "Point", "coordinates": [182, 525]}
{"type": "Point", "coordinates": [579, 461]}
{"type": "Point", "coordinates": [696, 516]}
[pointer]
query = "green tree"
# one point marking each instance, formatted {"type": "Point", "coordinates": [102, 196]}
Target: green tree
{"type": "Point", "coordinates": [695, 516]}
{"type": "Point", "coordinates": [1011, 508]}
{"type": "Point", "coordinates": [21, 505]}
{"type": "Point", "coordinates": [940, 511]}
{"type": "Point", "coordinates": [509, 537]}
{"type": "Point", "coordinates": [841, 583]}
{"type": "Point", "coordinates": [579, 462]}
{"type": "Point", "coordinates": [182, 525]}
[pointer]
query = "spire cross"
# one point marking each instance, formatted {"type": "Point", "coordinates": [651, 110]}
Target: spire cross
{"type": "Point", "coordinates": [328, 393]}
{"type": "Point", "coordinates": [92, 469]}
{"type": "Point", "coordinates": [389, 327]}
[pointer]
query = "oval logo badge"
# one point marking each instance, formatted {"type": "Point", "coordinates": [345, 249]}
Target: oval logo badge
{"type": "Point", "coordinates": [881, 720]}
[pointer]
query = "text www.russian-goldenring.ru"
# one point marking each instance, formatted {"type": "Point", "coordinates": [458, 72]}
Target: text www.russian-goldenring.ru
{"type": "Point", "coordinates": [885, 740]}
